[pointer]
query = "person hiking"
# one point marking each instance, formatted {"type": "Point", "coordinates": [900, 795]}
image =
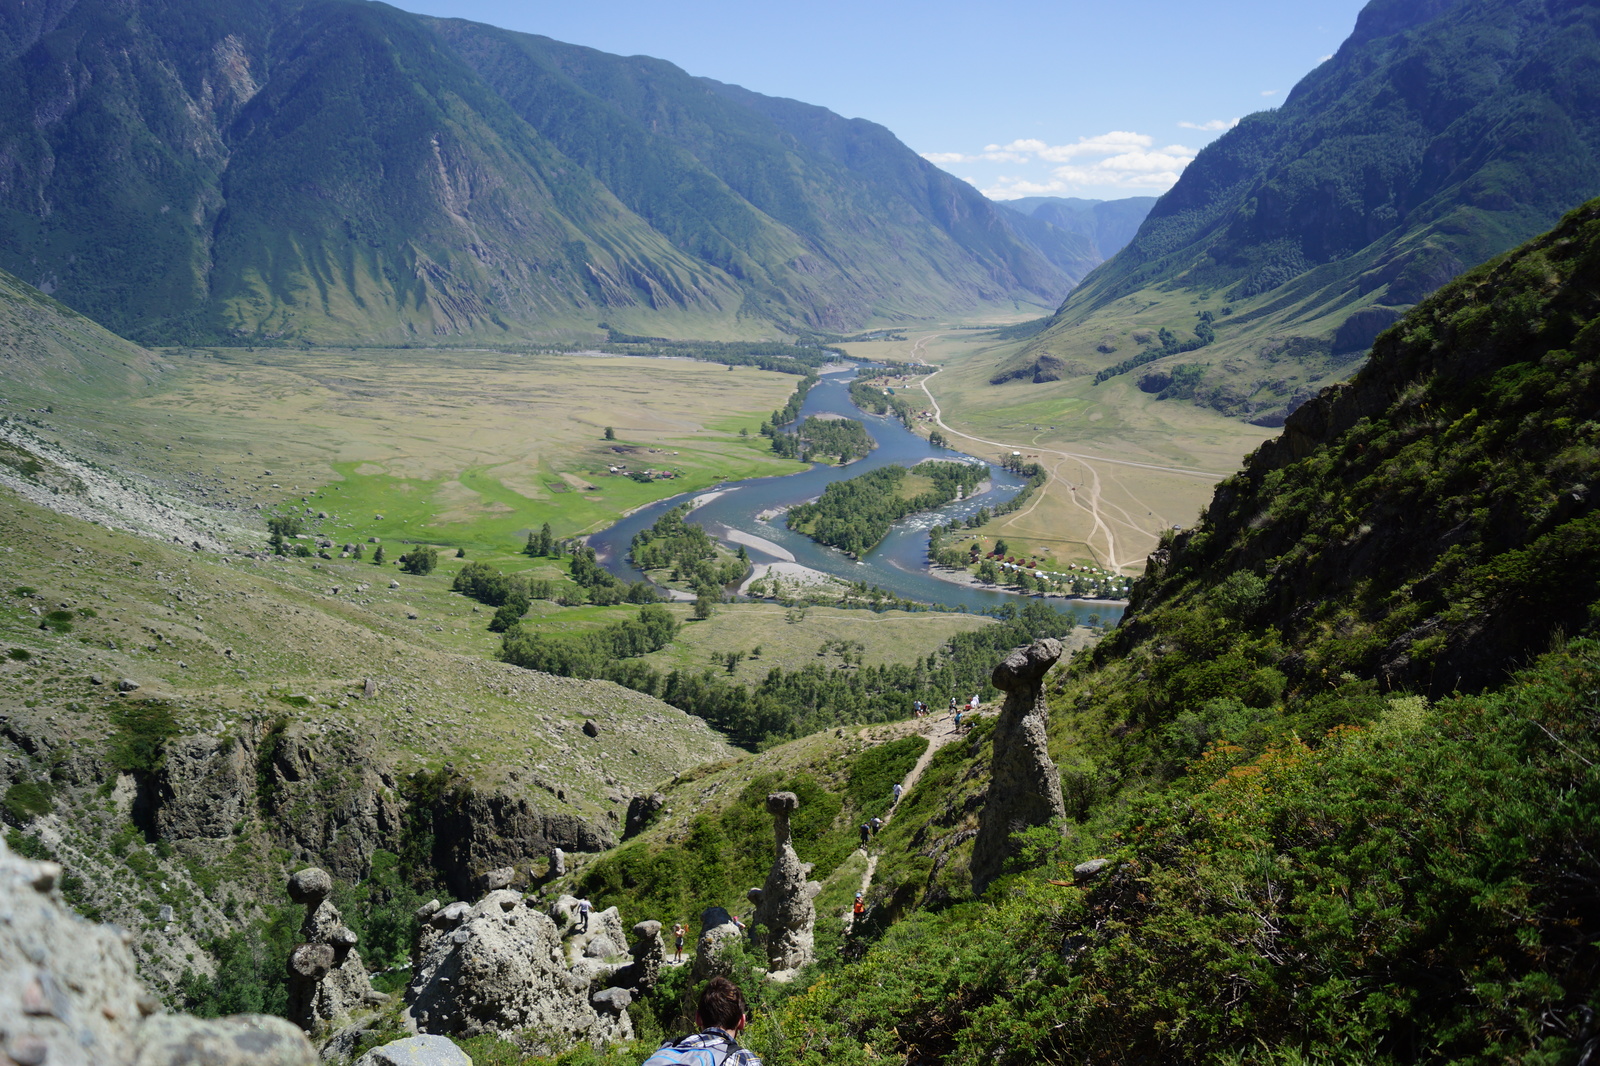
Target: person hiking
{"type": "Point", "coordinates": [721, 1016]}
{"type": "Point", "coordinates": [897, 789]}
{"type": "Point", "coordinates": [866, 834]}
{"type": "Point", "coordinates": [679, 931]}
{"type": "Point", "coordinates": [859, 909]}
{"type": "Point", "coordinates": [584, 907]}
{"type": "Point", "coordinates": [877, 824]}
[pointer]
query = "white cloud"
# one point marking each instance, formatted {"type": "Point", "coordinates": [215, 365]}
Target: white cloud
{"type": "Point", "coordinates": [1325, 58]}
{"type": "Point", "coordinates": [1212, 126]}
{"type": "Point", "coordinates": [1269, 92]}
{"type": "Point", "coordinates": [1104, 144]}
{"type": "Point", "coordinates": [1115, 159]}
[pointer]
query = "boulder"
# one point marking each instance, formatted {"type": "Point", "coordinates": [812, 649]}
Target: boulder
{"type": "Point", "coordinates": [422, 1050]}
{"type": "Point", "coordinates": [504, 970]}
{"type": "Point", "coordinates": [242, 1040]}
{"type": "Point", "coordinates": [310, 886]}
{"type": "Point", "coordinates": [1025, 788]}
{"type": "Point", "coordinates": [69, 997]}
{"type": "Point", "coordinates": [717, 934]}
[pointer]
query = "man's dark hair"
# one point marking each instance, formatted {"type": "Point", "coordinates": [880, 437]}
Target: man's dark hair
{"type": "Point", "coordinates": [721, 1004]}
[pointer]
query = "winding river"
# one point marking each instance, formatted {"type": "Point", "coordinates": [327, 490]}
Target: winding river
{"type": "Point", "coordinates": [897, 565]}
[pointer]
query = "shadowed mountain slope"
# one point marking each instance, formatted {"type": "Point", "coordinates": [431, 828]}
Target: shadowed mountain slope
{"type": "Point", "coordinates": [336, 170]}
{"type": "Point", "coordinates": [1439, 134]}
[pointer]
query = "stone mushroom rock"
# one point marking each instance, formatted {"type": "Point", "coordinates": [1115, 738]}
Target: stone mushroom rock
{"type": "Point", "coordinates": [69, 996]}
{"type": "Point", "coordinates": [1025, 789]}
{"type": "Point", "coordinates": [784, 909]}
{"type": "Point", "coordinates": [326, 978]}
{"type": "Point", "coordinates": [649, 954]}
{"type": "Point", "coordinates": [503, 969]}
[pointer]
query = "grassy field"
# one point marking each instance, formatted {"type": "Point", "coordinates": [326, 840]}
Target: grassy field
{"type": "Point", "coordinates": [789, 638]}
{"type": "Point", "coordinates": [1123, 465]}
{"type": "Point", "coordinates": [459, 449]}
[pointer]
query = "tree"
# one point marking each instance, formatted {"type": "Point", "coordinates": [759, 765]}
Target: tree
{"type": "Point", "coordinates": [1000, 547]}
{"type": "Point", "coordinates": [611, 434]}
{"type": "Point", "coordinates": [419, 560]}
{"type": "Point", "coordinates": [377, 556]}
{"type": "Point", "coordinates": [461, 553]}
{"type": "Point", "coordinates": [705, 601]}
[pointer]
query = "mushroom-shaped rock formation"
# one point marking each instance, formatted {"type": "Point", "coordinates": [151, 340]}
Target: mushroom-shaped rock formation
{"type": "Point", "coordinates": [326, 978]}
{"type": "Point", "coordinates": [785, 914]}
{"type": "Point", "coordinates": [1025, 789]}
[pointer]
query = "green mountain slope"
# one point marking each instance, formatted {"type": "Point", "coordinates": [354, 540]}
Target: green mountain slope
{"type": "Point", "coordinates": [335, 170]}
{"type": "Point", "coordinates": [1438, 135]}
{"type": "Point", "coordinates": [829, 219]}
{"type": "Point", "coordinates": [1340, 757]}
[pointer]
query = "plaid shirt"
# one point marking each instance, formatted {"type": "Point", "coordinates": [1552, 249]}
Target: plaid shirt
{"type": "Point", "coordinates": [717, 1046]}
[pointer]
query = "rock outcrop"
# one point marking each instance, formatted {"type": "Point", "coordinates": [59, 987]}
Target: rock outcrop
{"type": "Point", "coordinates": [1024, 789]}
{"type": "Point", "coordinates": [69, 997]}
{"type": "Point", "coordinates": [326, 978]}
{"type": "Point", "coordinates": [502, 966]}
{"type": "Point", "coordinates": [641, 811]}
{"type": "Point", "coordinates": [784, 914]}
{"type": "Point", "coordinates": [717, 934]}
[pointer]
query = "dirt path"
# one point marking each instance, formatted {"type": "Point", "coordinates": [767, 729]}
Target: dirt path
{"type": "Point", "coordinates": [939, 731]}
{"type": "Point", "coordinates": [1102, 541]}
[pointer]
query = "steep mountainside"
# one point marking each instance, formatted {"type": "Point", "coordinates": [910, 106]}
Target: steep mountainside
{"type": "Point", "coordinates": [1439, 134]}
{"type": "Point", "coordinates": [1430, 523]}
{"type": "Point", "coordinates": [1333, 785]}
{"type": "Point", "coordinates": [336, 170]}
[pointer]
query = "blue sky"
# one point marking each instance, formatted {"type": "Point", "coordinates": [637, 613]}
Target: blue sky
{"type": "Point", "coordinates": [1026, 98]}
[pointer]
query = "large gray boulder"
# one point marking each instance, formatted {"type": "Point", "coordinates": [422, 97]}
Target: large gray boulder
{"type": "Point", "coordinates": [502, 968]}
{"type": "Point", "coordinates": [1025, 789]}
{"type": "Point", "coordinates": [785, 914]}
{"type": "Point", "coordinates": [69, 997]}
{"type": "Point", "coordinates": [424, 1050]}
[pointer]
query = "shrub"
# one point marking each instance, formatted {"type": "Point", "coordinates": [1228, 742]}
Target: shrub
{"type": "Point", "coordinates": [141, 734]}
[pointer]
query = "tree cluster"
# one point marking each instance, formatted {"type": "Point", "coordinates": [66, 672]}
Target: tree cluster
{"type": "Point", "coordinates": [687, 550]}
{"type": "Point", "coordinates": [855, 515]}
{"type": "Point", "coordinates": [845, 438]}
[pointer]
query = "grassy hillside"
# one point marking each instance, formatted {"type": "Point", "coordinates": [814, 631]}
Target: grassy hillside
{"type": "Point", "coordinates": [1438, 135]}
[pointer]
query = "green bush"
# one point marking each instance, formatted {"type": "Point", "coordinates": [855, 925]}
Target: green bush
{"type": "Point", "coordinates": [139, 741]}
{"type": "Point", "coordinates": [874, 772]}
{"type": "Point", "coordinates": [26, 800]}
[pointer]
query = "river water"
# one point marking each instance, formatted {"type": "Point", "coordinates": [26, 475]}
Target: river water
{"type": "Point", "coordinates": [899, 564]}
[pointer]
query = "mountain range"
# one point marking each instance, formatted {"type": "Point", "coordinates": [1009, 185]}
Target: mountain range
{"type": "Point", "coordinates": [1440, 134]}
{"type": "Point", "coordinates": [338, 170]}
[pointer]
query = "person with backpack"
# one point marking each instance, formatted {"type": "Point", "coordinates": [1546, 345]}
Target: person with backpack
{"type": "Point", "coordinates": [721, 1016]}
